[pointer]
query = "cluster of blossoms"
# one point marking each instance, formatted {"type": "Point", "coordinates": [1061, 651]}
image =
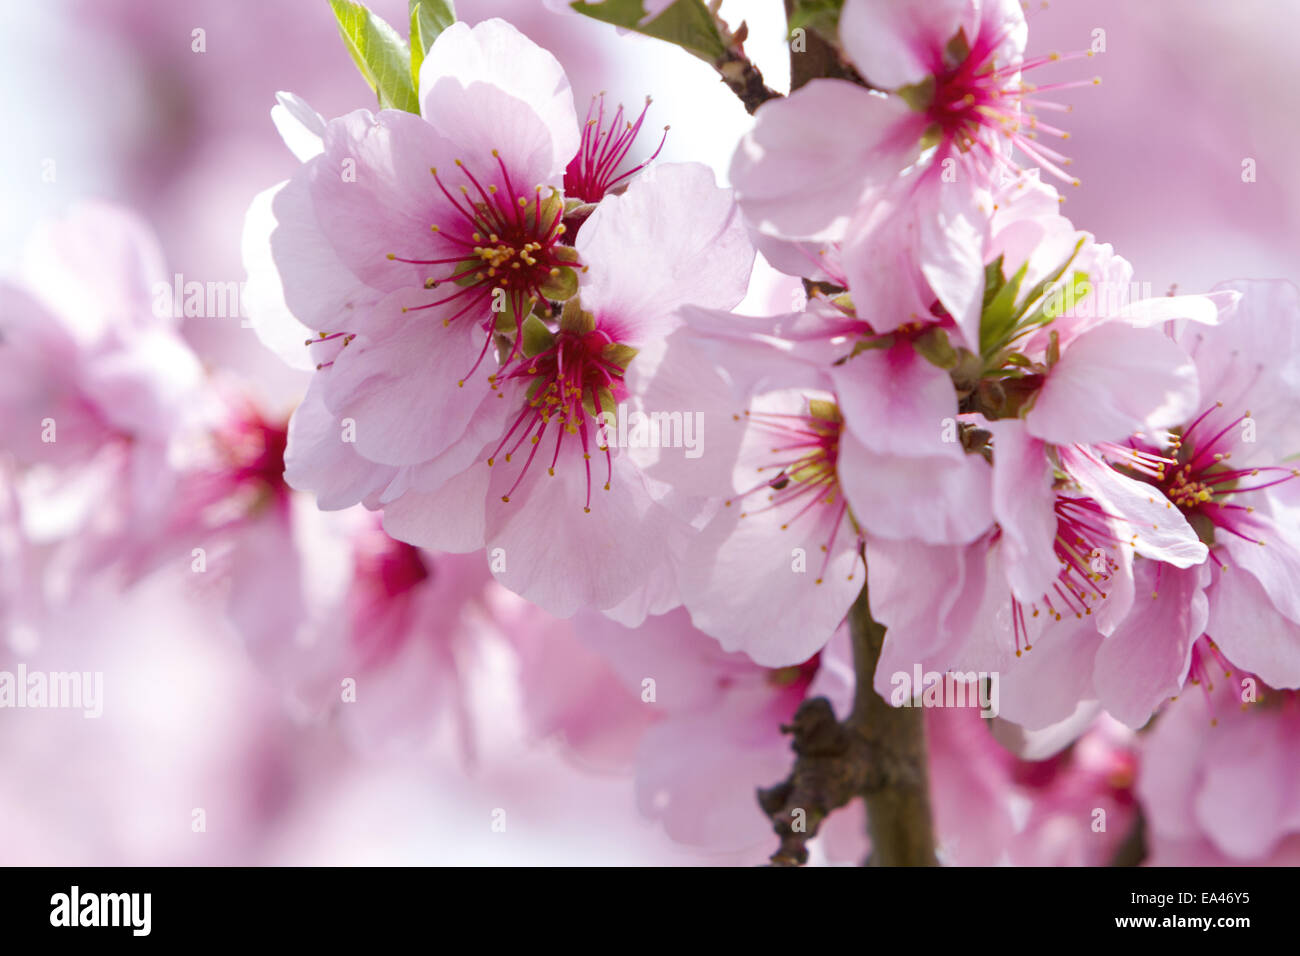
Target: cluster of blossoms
{"type": "Point", "coordinates": [1034, 473]}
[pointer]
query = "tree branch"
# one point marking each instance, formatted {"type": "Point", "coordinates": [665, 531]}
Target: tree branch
{"type": "Point", "coordinates": [819, 58]}
{"type": "Point", "coordinates": [877, 753]}
{"type": "Point", "coordinates": [898, 799]}
{"type": "Point", "coordinates": [745, 80]}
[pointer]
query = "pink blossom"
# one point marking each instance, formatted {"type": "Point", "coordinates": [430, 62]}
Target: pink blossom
{"type": "Point", "coordinates": [568, 538]}
{"type": "Point", "coordinates": [775, 562]}
{"type": "Point", "coordinates": [1224, 469]}
{"type": "Point", "coordinates": [426, 429]}
{"type": "Point", "coordinates": [1082, 805]}
{"type": "Point", "coordinates": [396, 210]}
{"type": "Point", "coordinates": [100, 390]}
{"type": "Point", "coordinates": [901, 177]}
{"type": "Point", "coordinates": [1219, 777]}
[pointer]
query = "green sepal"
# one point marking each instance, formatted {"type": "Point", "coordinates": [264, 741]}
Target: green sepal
{"type": "Point", "coordinates": [824, 410]}
{"type": "Point", "coordinates": [918, 96]}
{"type": "Point", "coordinates": [958, 48]}
{"type": "Point", "coordinates": [607, 403]}
{"type": "Point", "coordinates": [574, 321]}
{"type": "Point", "coordinates": [561, 285]}
{"type": "Point", "coordinates": [536, 337]}
{"type": "Point", "coordinates": [934, 347]}
{"type": "Point", "coordinates": [616, 353]}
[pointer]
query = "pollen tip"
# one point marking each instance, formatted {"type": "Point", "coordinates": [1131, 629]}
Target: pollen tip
{"type": "Point", "coordinates": [391, 257]}
{"type": "Point", "coordinates": [506, 499]}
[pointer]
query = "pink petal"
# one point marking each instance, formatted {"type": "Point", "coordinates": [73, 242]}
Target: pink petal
{"type": "Point", "coordinates": [494, 53]}
{"type": "Point", "coordinates": [1159, 530]}
{"type": "Point", "coordinates": [1024, 503]}
{"type": "Point", "coordinates": [317, 459]}
{"type": "Point", "coordinates": [1112, 381]}
{"type": "Point", "coordinates": [897, 44]}
{"type": "Point", "coordinates": [753, 585]}
{"type": "Point", "coordinates": [674, 238]}
{"type": "Point", "coordinates": [1145, 661]}
{"type": "Point", "coordinates": [802, 169]}
{"type": "Point", "coordinates": [896, 402]}
{"type": "Point", "coordinates": [560, 557]}
{"type": "Point", "coordinates": [401, 388]}
{"type": "Point", "coordinates": [936, 500]}
{"type": "Point", "coordinates": [1250, 630]}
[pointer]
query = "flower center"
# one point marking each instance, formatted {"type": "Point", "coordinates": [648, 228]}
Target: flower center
{"type": "Point", "coordinates": [385, 573]}
{"type": "Point", "coordinates": [253, 453]}
{"type": "Point", "coordinates": [971, 101]}
{"type": "Point", "coordinates": [574, 380]}
{"type": "Point", "coordinates": [796, 678]}
{"type": "Point", "coordinates": [1194, 470]}
{"type": "Point", "coordinates": [1084, 547]}
{"type": "Point", "coordinates": [805, 486]}
{"type": "Point", "coordinates": [591, 172]}
{"type": "Point", "coordinates": [503, 252]}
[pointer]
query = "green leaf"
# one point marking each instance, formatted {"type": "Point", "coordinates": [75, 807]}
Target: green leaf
{"type": "Point", "coordinates": [1038, 291]}
{"type": "Point", "coordinates": [999, 316]}
{"type": "Point", "coordinates": [993, 280]}
{"type": "Point", "coordinates": [823, 16]}
{"type": "Point", "coordinates": [687, 24]}
{"type": "Point", "coordinates": [380, 54]}
{"type": "Point", "coordinates": [428, 19]}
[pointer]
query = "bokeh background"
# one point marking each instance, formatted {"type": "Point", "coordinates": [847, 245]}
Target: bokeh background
{"type": "Point", "coordinates": [110, 97]}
